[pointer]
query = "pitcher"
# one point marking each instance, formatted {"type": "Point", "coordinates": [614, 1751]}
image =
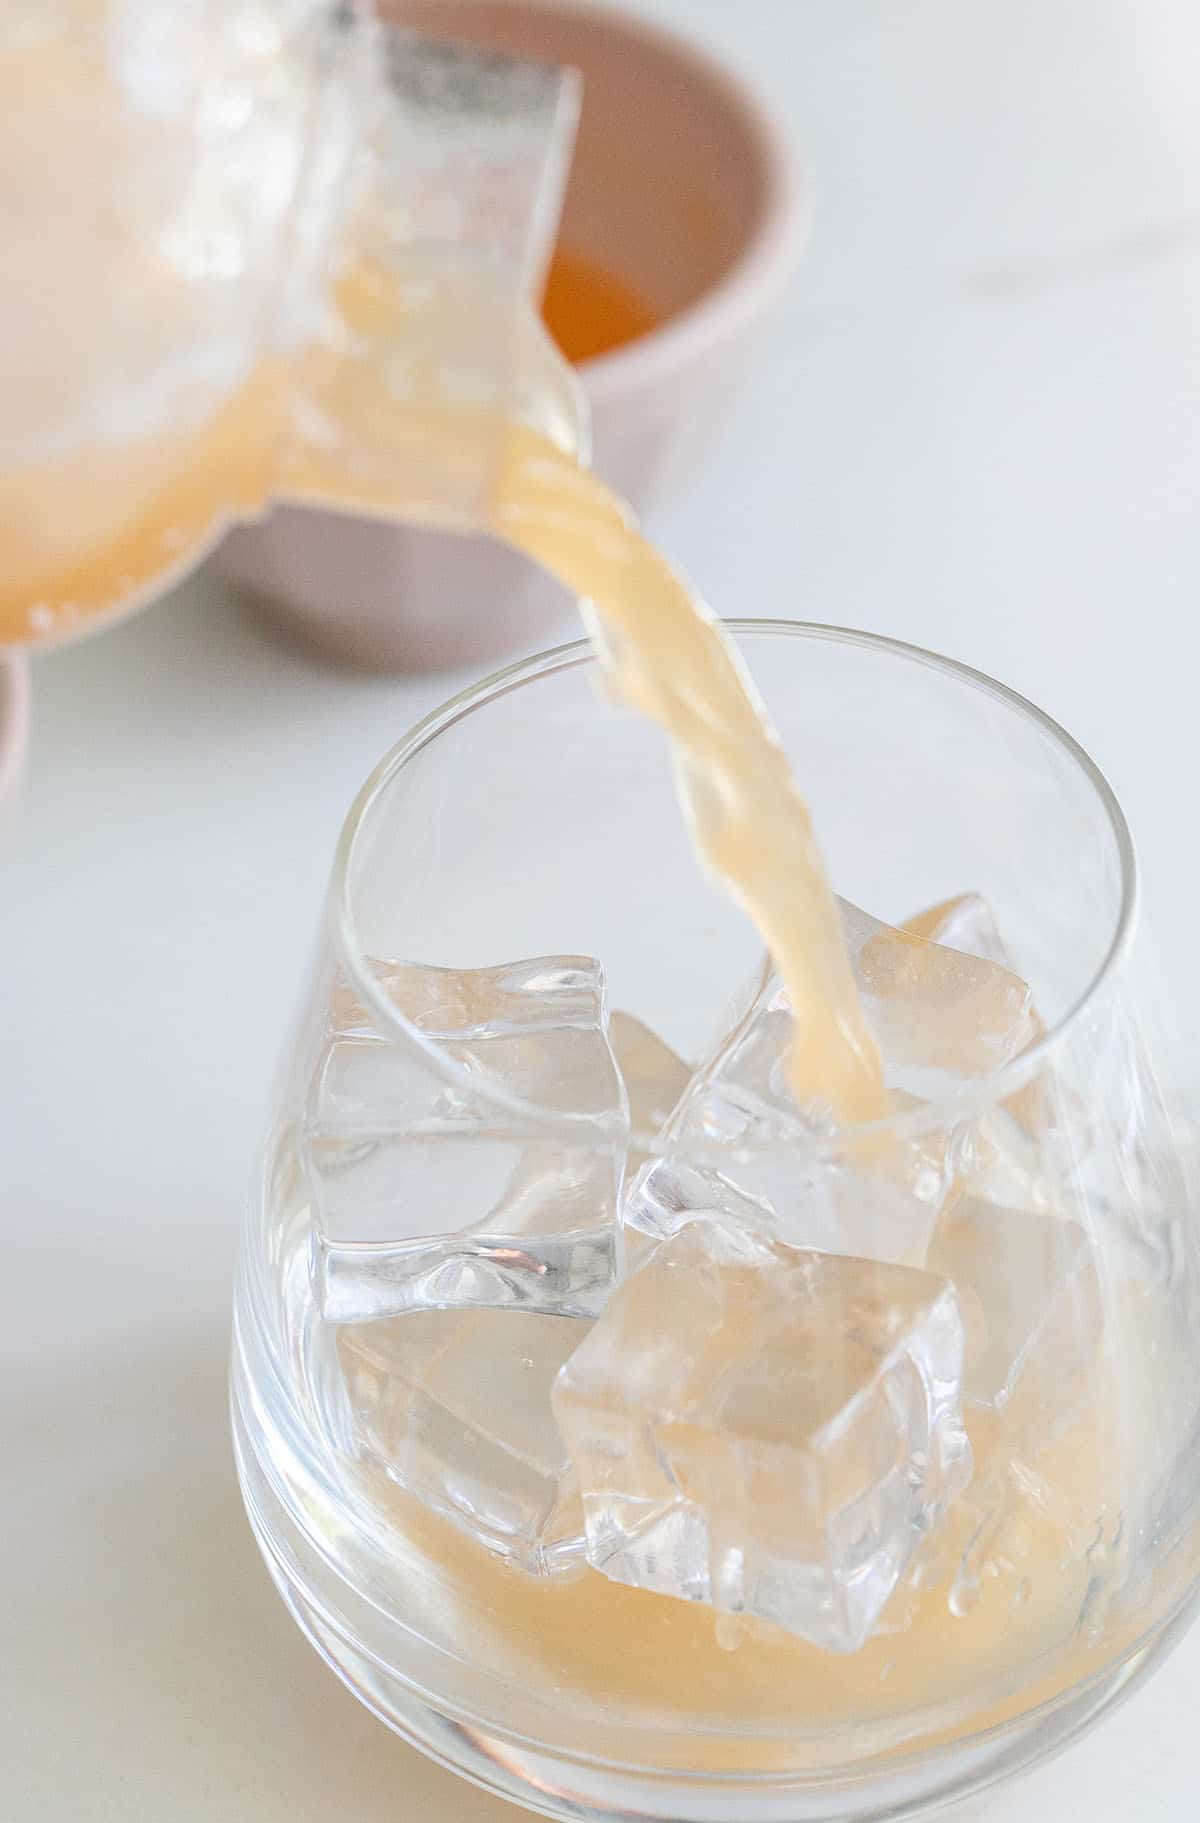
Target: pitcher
{"type": "Point", "coordinates": [253, 250]}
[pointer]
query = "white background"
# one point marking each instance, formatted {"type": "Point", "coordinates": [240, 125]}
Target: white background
{"type": "Point", "coordinates": [977, 426]}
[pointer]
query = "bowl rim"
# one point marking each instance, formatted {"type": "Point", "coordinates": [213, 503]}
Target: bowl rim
{"type": "Point", "coordinates": [776, 235]}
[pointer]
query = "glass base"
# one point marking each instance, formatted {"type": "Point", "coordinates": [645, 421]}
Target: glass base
{"type": "Point", "coordinates": [343, 1622]}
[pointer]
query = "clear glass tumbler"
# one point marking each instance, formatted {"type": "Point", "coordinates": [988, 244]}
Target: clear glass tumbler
{"type": "Point", "coordinates": [490, 1137]}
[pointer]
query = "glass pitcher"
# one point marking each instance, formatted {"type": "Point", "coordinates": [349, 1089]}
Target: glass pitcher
{"type": "Point", "coordinates": [257, 250]}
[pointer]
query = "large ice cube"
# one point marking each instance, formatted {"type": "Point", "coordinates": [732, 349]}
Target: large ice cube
{"type": "Point", "coordinates": [455, 1407]}
{"type": "Point", "coordinates": [654, 1076]}
{"type": "Point", "coordinates": [965, 923]}
{"type": "Point", "coordinates": [1029, 1292]}
{"type": "Point", "coordinates": [936, 1011]}
{"type": "Point", "coordinates": [767, 1170]}
{"type": "Point", "coordinates": [770, 1430]}
{"type": "Point", "coordinates": [437, 1178]}
{"type": "Point", "coordinates": [1028, 1146]}
{"type": "Point", "coordinates": [999, 1160]}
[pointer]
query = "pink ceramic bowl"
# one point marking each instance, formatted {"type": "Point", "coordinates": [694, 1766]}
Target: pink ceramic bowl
{"type": "Point", "coordinates": [683, 187]}
{"type": "Point", "coordinates": [14, 722]}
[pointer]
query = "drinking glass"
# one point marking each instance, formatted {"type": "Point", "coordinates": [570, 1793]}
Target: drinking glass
{"type": "Point", "coordinates": [519, 968]}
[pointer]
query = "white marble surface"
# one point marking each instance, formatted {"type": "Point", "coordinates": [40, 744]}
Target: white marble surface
{"type": "Point", "coordinates": [983, 398]}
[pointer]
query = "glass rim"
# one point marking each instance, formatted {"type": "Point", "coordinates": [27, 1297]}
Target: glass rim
{"type": "Point", "coordinates": [937, 1113]}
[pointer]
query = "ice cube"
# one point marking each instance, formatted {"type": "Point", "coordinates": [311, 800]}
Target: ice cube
{"type": "Point", "coordinates": [1029, 1292]}
{"type": "Point", "coordinates": [766, 1429]}
{"type": "Point", "coordinates": [482, 1168]}
{"type": "Point", "coordinates": [654, 1076]}
{"type": "Point", "coordinates": [655, 1079]}
{"type": "Point", "coordinates": [535, 1030]}
{"type": "Point", "coordinates": [1036, 1134]}
{"type": "Point", "coordinates": [767, 1169]}
{"type": "Point", "coordinates": [936, 1012]}
{"type": "Point", "coordinates": [566, 1273]}
{"type": "Point", "coordinates": [455, 1407]}
{"type": "Point", "coordinates": [997, 1159]}
{"type": "Point", "coordinates": [965, 923]}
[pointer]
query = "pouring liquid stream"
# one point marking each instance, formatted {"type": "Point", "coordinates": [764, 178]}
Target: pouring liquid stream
{"type": "Point", "coordinates": [672, 660]}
